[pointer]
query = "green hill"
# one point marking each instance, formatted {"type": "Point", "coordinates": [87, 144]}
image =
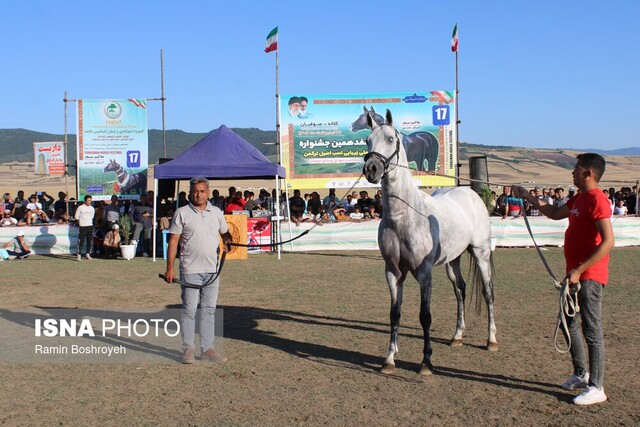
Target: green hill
{"type": "Point", "coordinates": [16, 144]}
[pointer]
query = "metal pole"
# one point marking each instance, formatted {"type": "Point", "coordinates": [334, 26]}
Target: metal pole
{"type": "Point", "coordinates": [457, 123]}
{"type": "Point", "coordinates": [66, 152]}
{"type": "Point", "coordinates": [279, 153]}
{"type": "Point", "coordinates": [164, 137]}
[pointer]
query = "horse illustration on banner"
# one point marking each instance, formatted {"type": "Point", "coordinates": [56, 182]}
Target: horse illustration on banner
{"type": "Point", "coordinates": [127, 183]}
{"type": "Point", "coordinates": [421, 147]}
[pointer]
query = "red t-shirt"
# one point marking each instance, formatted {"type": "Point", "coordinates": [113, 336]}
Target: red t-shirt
{"type": "Point", "coordinates": [582, 237]}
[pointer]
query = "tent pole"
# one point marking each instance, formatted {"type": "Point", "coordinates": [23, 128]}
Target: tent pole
{"type": "Point", "coordinates": [286, 189]}
{"type": "Point", "coordinates": [155, 222]}
{"type": "Point", "coordinates": [278, 217]}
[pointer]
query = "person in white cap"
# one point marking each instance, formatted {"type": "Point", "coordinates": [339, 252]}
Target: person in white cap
{"type": "Point", "coordinates": [112, 242]}
{"type": "Point", "coordinates": [20, 249]}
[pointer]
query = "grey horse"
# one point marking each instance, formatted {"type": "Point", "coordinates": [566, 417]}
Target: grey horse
{"type": "Point", "coordinates": [418, 231]}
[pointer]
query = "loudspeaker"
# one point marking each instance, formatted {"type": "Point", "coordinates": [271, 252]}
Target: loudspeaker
{"type": "Point", "coordinates": [166, 187]}
{"type": "Point", "coordinates": [478, 170]}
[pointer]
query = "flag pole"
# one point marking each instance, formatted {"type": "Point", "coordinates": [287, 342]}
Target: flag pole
{"type": "Point", "coordinates": [279, 155]}
{"type": "Point", "coordinates": [457, 123]}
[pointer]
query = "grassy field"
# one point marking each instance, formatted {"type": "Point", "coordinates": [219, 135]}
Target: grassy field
{"type": "Point", "coordinates": [305, 337]}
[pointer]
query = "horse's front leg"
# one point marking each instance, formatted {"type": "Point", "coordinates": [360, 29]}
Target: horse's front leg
{"type": "Point", "coordinates": [395, 281]}
{"type": "Point", "coordinates": [423, 276]}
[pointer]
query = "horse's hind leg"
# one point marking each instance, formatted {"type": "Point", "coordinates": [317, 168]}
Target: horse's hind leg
{"type": "Point", "coordinates": [455, 275]}
{"type": "Point", "coordinates": [484, 273]}
{"type": "Point", "coordinates": [395, 289]}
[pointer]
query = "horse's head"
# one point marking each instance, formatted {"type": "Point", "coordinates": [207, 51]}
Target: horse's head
{"type": "Point", "coordinates": [112, 166]}
{"type": "Point", "coordinates": [361, 121]}
{"type": "Point", "coordinates": [385, 149]}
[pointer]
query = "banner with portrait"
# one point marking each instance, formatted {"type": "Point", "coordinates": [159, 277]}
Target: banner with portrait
{"type": "Point", "coordinates": [113, 148]}
{"type": "Point", "coordinates": [323, 137]}
{"type": "Point", "coordinates": [49, 158]}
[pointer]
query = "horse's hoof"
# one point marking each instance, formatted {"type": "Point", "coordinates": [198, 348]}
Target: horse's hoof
{"type": "Point", "coordinates": [492, 346]}
{"type": "Point", "coordinates": [387, 368]}
{"type": "Point", "coordinates": [456, 343]}
{"type": "Point", "coordinates": [426, 369]}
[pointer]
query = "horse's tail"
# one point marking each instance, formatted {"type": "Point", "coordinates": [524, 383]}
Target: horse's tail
{"type": "Point", "coordinates": [476, 281]}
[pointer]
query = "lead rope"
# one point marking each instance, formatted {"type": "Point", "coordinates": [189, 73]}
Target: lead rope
{"type": "Point", "coordinates": [568, 301]}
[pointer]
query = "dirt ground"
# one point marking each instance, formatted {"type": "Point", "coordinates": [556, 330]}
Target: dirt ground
{"type": "Point", "coordinates": [305, 336]}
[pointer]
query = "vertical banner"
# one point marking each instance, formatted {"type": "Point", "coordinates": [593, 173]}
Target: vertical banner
{"type": "Point", "coordinates": [324, 137]}
{"type": "Point", "coordinates": [49, 158]}
{"type": "Point", "coordinates": [113, 148]}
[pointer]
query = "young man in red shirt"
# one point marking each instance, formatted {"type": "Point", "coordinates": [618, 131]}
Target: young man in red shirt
{"type": "Point", "coordinates": [587, 243]}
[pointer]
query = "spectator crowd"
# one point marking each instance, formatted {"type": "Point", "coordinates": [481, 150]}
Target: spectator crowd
{"type": "Point", "coordinates": [108, 232]}
{"type": "Point", "coordinates": [623, 201]}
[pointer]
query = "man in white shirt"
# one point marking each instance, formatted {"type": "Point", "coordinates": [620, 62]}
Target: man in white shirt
{"type": "Point", "coordinates": [84, 216]}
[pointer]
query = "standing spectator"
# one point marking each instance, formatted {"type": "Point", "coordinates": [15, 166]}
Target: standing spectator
{"type": "Point", "coordinates": [587, 243]}
{"type": "Point", "coordinates": [251, 203]}
{"type": "Point", "coordinates": [620, 208]}
{"type": "Point", "coordinates": [514, 205]}
{"type": "Point", "coordinates": [112, 212]}
{"type": "Point", "coordinates": [530, 209]}
{"type": "Point", "coordinates": [142, 218]}
{"type": "Point", "coordinates": [84, 215]}
{"type": "Point", "coordinates": [216, 200]}
{"type": "Point", "coordinates": [60, 209]}
{"type": "Point", "coordinates": [197, 228]}
{"type": "Point", "coordinates": [332, 193]}
{"type": "Point", "coordinates": [501, 202]}
{"type": "Point", "coordinates": [561, 199]}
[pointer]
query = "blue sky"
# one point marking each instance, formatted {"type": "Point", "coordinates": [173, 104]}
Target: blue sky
{"type": "Point", "coordinates": [543, 74]}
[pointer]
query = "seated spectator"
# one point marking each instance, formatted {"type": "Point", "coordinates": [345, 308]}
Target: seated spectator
{"type": "Point", "coordinates": [297, 206]}
{"type": "Point", "coordinates": [357, 214]}
{"type": "Point", "coordinates": [364, 202]}
{"type": "Point", "coordinates": [330, 206]}
{"type": "Point", "coordinates": [315, 206]}
{"type": "Point", "coordinates": [8, 203]}
{"type": "Point", "coordinates": [19, 248]}
{"type": "Point", "coordinates": [35, 206]}
{"type": "Point", "coordinates": [620, 208]}
{"type": "Point", "coordinates": [377, 205]}
{"type": "Point", "coordinates": [112, 242]}
{"type": "Point", "coordinates": [347, 204]}
{"type": "Point", "coordinates": [7, 219]}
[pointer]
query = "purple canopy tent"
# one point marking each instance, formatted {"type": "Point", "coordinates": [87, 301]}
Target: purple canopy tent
{"type": "Point", "coordinates": [222, 154]}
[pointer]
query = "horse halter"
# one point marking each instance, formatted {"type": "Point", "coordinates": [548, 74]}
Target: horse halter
{"type": "Point", "coordinates": [386, 161]}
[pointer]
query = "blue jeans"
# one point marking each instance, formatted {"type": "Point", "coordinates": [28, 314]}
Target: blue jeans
{"type": "Point", "coordinates": [590, 301]}
{"type": "Point", "coordinates": [208, 296]}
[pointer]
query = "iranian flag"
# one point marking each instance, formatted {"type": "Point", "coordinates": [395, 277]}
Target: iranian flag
{"type": "Point", "coordinates": [272, 41]}
{"type": "Point", "coordinates": [454, 39]}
